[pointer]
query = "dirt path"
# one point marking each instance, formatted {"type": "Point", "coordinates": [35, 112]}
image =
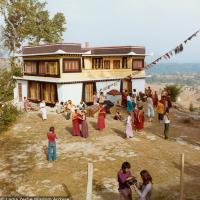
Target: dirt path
{"type": "Point", "coordinates": [24, 169]}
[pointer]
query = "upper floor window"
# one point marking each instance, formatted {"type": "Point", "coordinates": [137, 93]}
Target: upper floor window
{"type": "Point", "coordinates": [97, 63]}
{"type": "Point", "coordinates": [71, 65]}
{"type": "Point", "coordinates": [30, 67]}
{"type": "Point", "coordinates": [124, 63]}
{"type": "Point", "coordinates": [138, 64]}
{"type": "Point", "coordinates": [42, 68]}
{"type": "Point", "coordinates": [116, 64]}
{"type": "Point", "coordinates": [106, 64]}
{"type": "Point", "coordinates": [48, 68]}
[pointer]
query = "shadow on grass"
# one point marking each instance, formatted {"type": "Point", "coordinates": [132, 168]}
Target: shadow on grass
{"type": "Point", "coordinates": [119, 133]}
{"type": "Point", "coordinates": [67, 191]}
{"type": "Point", "coordinates": [94, 125]}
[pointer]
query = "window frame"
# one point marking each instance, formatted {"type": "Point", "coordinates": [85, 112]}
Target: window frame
{"type": "Point", "coordinates": [72, 71]}
{"type": "Point", "coordinates": [37, 68]}
{"type": "Point", "coordinates": [139, 69]}
{"type": "Point", "coordinates": [119, 60]}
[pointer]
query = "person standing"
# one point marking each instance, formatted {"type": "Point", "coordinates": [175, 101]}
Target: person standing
{"type": "Point", "coordinates": [101, 98]}
{"type": "Point", "coordinates": [145, 189]}
{"type": "Point", "coordinates": [43, 110]}
{"type": "Point", "coordinates": [160, 110]}
{"type": "Point", "coordinates": [51, 143]}
{"type": "Point", "coordinates": [155, 99]}
{"type": "Point", "coordinates": [123, 176]}
{"type": "Point", "coordinates": [166, 124]}
{"type": "Point", "coordinates": [95, 99]}
{"type": "Point", "coordinates": [101, 117]}
{"type": "Point", "coordinates": [150, 109]}
{"type": "Point", "coordinates": [84, 125]}
{"type": "Point", "coordinates": [76, 123]}
{"type": "Point", "coordinates": [129, 103]}
{"type": "Point", "coordinates": [129, 129]}
{"type": "Point", "coordinates": [139, 118]}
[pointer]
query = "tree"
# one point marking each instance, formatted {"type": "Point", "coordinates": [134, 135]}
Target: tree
{"type": "Point", "coordinates": [174, 91]}
{"type": "Point", "coordinates": [27, 21]}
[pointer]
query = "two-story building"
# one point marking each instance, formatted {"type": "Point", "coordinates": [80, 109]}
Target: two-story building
{"type": "Point", "coordinates": [66, 71]}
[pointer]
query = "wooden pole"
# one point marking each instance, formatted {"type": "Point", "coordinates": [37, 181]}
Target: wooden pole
{"type": "Point", "coordinates": [89, 183]}
{"type": "Point", "coordinates": [182, 176]}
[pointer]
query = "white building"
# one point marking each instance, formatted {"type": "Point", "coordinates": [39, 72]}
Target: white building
{"type": "Point", "coordinates": [66, 71]}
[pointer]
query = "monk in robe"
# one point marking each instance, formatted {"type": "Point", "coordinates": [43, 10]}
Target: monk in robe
{"type": "Point", "coordinates": [139, 118]}
{"type": "Point", "coordinates": [76, 123]}
{"type": "Point", "coordinates": [101, 117]}
{"type": "Point", "coordinates": [155, 99]}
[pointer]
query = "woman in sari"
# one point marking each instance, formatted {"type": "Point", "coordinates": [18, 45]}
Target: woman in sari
{"type": "Point", "coordinates": [76, 123]}
{"type": "Point", "coordinates": [101, 117]}
{"type": "Point", "coordinates": [139, 119]}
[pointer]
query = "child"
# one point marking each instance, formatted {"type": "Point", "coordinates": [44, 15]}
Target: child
{"type": "Point", "coordinates": [123, 176]}
{"type": "Point", "coordinates": [166, 124]}
{"type": "Point", "coordinates": [52, 143]}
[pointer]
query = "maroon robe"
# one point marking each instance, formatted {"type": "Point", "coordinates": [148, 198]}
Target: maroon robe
{"type": "Point", "coordinates": [139, 119]}
{"type": "Point", "coordinates": [101, 118]}
{"type": "Point", "coordinates": [76, 125]}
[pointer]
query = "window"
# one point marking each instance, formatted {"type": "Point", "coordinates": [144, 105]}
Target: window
{"type": "Point", "coordinates": [138, 64]}
{"type": "Point", "coordinates": [30, 67]}
{"type": "Point", "coordinates": [71, 65]}
{"type": "Point", "coordinates": [38, 91]}
{"type": "Point", "coordinates": [20, 91]}
{"type": "Point", "coordinates": [106, 64]}
{"type": "Point", "coordinates": [116, 64]}
{"type": "Point", "coordinates": [34, 91]}
{"type": "Point", "coordinates": [97, 63]}
{"type": "Point", "coordinates": [42, 68]}
{"type": "Point", "coordinates": [89, 89]}
{"type": "Point", "coordinates": [124, 63]}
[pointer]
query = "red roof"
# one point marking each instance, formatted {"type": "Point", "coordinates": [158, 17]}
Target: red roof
{"type": "Point", "coordinates": [114, 92]}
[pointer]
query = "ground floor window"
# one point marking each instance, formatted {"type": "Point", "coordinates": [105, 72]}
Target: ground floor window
{"type": "Point", "coordinates": [38, 91]}
{"type": "Point", "coordinates": [89, 91]}
{"type": "Point", "coordinates": [20, 91]}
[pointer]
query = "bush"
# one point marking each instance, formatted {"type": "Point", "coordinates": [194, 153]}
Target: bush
{"type": "Point", "coordinates": [174, 91]}
{"type": "Point", "coordinates": [8, 115]}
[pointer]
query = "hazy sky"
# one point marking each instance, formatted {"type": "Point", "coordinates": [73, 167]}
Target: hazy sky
{"type": "Point", "coordinates": [159, 25]}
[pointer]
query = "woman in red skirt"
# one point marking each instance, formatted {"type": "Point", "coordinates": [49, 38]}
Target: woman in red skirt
{"type": "Point", "coordinates": [76, 124]}
{"type": "Point", "coordinates": [139, 119]}
{"type": "Point", "coordinates": [101, 117]}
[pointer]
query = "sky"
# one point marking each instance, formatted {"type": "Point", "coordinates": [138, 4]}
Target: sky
{"type": "Point", "coordinates": [159, 25]}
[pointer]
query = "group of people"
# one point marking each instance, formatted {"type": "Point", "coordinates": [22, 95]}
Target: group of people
{"type": "Point", "coordinates": [127, 182]}
{"type": "Point", "coordinates": [135, 103]}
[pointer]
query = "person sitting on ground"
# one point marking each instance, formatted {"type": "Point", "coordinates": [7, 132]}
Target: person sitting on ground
{"type": "Point", "coordinates": [118, 116]}
{"type": "Point", "coordinates": [123, 176]}
{"type": "Point", "coordinates": [145, 189]}
{"type": "Point", "coordinates": [59, 107]}
{"type": "Point", "coordinates": [27, 105]}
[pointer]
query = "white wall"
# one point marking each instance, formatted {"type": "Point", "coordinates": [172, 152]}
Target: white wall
{"type": "Point", "coordinates": [138, 84]}
{"type": "Point", "coordinates": [103, 84]}
{"type": "Point", "coordinates": [70, 92]}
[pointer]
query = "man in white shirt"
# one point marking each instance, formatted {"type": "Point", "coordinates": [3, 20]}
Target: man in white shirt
{"type": "Point", "coordinates": [166, 124]}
